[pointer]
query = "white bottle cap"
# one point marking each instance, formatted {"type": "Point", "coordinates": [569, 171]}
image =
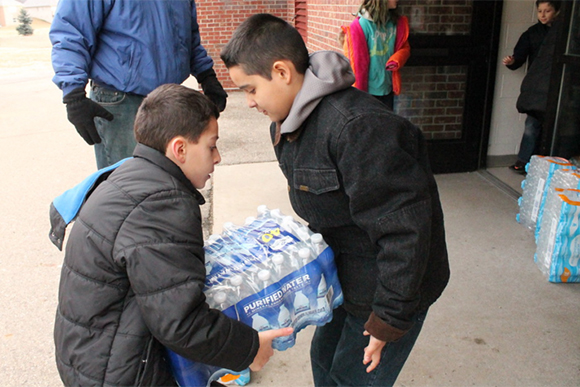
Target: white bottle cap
{"type": "Point", "coordinates": [276, 213]}
{"type": "Point", "coordinates": [278, 258]}
{"type": "Point", "coordinates": [228, 225]}
{"type": "Point", "coordinates": [316, 238]}
{"type": "Point", "coordinates": [304, 253]}
{"type": "Point", "coordinates": [219, 297]}
{"type": "Point", "coordinates": [237, 280]}
{"type": "Point", "coordinates": [249, 220]}
{"type": "Point", "coordinates": [264, 275]}
{"type": "Point", "coordinates": [262, 209]}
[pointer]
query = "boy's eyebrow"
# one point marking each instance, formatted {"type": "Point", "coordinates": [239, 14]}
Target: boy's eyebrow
{"type": "Point", "coordinates": [244, 87]}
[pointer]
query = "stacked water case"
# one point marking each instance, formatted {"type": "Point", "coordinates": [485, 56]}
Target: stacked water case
{"type": "Point", "coordinates": [558, 250]}
{"type": "Point", "coordinates": [270, 273]}
{"type": "Point", "coordinates": [562, 178]}
{"type": "Point", "coordinates": [539, 173]}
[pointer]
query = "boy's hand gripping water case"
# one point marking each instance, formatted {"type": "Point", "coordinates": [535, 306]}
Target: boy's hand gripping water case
{"type": "Point", "coordinates": [270, 273]}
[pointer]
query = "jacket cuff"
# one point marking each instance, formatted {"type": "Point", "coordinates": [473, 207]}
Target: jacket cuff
{"type": "Point", "coordinates": [66, 90]}
{"type": "Point", "coordinates": [381, 330]}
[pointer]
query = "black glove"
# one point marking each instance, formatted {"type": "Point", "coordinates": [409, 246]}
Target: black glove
{"type": "Point", "coordinates": [213, 88]}
{"type": "Point", "coordinates": [81, 112]}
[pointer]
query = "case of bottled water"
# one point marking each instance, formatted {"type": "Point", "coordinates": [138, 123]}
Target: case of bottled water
{"type": "Point", "coordinates": [272, 272]}
{"type": "Point", "coordinates": [539, 172]}
{"type": "Point", "coordinates": [558, 249]}
{"type": "Point", "coordinates": [562, 178]}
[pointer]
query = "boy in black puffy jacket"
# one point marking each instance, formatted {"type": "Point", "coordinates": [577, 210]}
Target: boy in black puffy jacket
{"type": "Point", "coordinates": [134, 271]}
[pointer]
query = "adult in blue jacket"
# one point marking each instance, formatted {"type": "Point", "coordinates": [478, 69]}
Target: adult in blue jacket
{"type": "Point", "coordinates": [125, 48]}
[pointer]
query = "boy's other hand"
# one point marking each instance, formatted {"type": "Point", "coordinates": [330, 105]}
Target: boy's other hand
{"type": "Point", "coordinates": [81, 112]}
{"type": "Point", "coordinates": [373, 352]}
{"type": "Point", "coordinates": [266, 352]}
{"type": "Point", "coordinates": [508, 60]}
{"type": "Point", "coordinates": [213, 89]}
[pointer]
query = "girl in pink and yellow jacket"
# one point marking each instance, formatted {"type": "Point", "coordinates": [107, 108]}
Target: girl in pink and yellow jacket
{"type": "Point", "coordinates": [376, 43]}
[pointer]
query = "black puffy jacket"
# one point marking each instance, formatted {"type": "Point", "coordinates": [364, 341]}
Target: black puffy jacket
{"type": "Point", "coordinates": [132, 282]}
{"type": "Point", "coordinates": [533, 98]}
{"type": "Point", "coordinates": [528, 45]}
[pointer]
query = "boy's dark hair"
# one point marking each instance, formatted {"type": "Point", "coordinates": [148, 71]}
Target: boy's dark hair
{"type": "Point", "coordinates": [172, 110]}
{"type": "Point", "coordinates": [261, 40]}
{"type": "Point", "coordinates": [555, 3]}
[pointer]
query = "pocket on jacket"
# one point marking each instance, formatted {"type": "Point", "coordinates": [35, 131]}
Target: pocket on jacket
{"type": "Point", "coordinates": [316, 181]}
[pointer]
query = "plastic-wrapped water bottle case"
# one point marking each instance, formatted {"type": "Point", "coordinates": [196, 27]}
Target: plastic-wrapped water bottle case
{"type": "Point", "coordinates": [272, 272]}
{"type": "Point", "coordinates": [550, 206]}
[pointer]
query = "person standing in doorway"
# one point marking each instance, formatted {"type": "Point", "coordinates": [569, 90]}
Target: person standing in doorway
{"type": "Point", "coordinates": [376, 43]}
{"type": "Point", "coordinates": [125, 48]}
{"type": "Point", "coordinates": [527, 49]}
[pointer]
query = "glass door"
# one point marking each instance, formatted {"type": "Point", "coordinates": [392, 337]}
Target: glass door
{"type": "Point", "coordinates": [561, 135]}
{"type": "Point", "coordinates": [447, 84]}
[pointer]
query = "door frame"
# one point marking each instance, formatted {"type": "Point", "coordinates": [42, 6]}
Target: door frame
{"type": "Point", "coordinates": [548, 139]}
{"type": "Point", "coordinates": [479, 52]}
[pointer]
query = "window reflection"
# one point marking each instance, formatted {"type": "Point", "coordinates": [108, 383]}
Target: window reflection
{"type": "Point", "coordinates": [574, 37]}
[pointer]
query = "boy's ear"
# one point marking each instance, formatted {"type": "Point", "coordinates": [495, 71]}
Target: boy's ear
{"type": "Point", "coordinates": [283, 70]}
{"type": "Point", "coordinates": [176, 149]}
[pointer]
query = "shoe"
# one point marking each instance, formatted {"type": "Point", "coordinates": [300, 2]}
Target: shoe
{"type": "Point", "coordinates": [519, 167]}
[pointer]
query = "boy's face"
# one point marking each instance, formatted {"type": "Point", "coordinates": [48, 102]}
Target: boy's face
{"type": "Point", "coordinates": [201, 156]}
{"type": "Point", "coordinates": [546, 13]}
{"type": "Point", "coordinates": [273, 98]}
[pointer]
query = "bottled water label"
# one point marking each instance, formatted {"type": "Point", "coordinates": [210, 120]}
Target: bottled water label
{"type": "Point", "coordinates": [269, 273]}
{"type": "Point", "coordinates": [540, 170]}
{"type": "Point", "coordinates": [562, 179]}
{"type": "Point", "coordinates": [558, 250]}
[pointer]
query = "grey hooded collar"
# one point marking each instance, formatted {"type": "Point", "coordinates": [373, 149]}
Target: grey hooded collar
{"type": "Point", "coordinates": [328, 72]}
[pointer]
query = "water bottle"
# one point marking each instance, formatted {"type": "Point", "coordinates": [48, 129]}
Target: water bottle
{"type": "Point", "coordinates": [276, 215]}
{"type": "Point", "coordinates": [241, 288]}
{"type": "Point", "coordinates": [301, 303]}
{"type": "Point", "coordinates": [284, 320]}
{"type": "Point", "coordinates": [281, 265]}
{"type": "Point", "coordinates": [318, 243]}
{"type": "Point", "coordinates": [305, 256]}
{"type": "Point", "coordinates": [260, 323]}
{"type": "Point", "coordinates": [298, 229]}
{"type": "Point", "coordinates": [264, 276]}
{"type": "Point", "coordinates": [322, 294]}
{"type": "Point", "coordinates": [220, 297]}
{"type": "Point", "coordinates": [263, 211]}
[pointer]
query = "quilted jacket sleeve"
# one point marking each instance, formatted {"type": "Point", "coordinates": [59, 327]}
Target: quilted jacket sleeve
{"type": "Point", "coordinates": [161, 244]}
{"type": "Point", "coordinates": [200, 60]}
{"type": "Point", "coordinates": [73, 34]}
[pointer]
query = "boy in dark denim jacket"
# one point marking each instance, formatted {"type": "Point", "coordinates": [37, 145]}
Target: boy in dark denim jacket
{"type": "Point", "coordinates": [359, 174]}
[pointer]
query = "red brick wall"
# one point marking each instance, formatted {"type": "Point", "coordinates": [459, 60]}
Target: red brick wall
{"type": "Point", "coordinates": [432, 97]}
{"type": "Point", "coordinates": [218, 20]}
{"type": "Point", "coordinates": [324, 20]}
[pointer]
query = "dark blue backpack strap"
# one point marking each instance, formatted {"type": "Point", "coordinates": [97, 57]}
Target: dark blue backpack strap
{"type": "Point", "coordinates": [65, 208]}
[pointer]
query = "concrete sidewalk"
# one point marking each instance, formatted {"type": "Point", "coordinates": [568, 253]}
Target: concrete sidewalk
{"type": "Point", "coordinates": [499, 323]}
